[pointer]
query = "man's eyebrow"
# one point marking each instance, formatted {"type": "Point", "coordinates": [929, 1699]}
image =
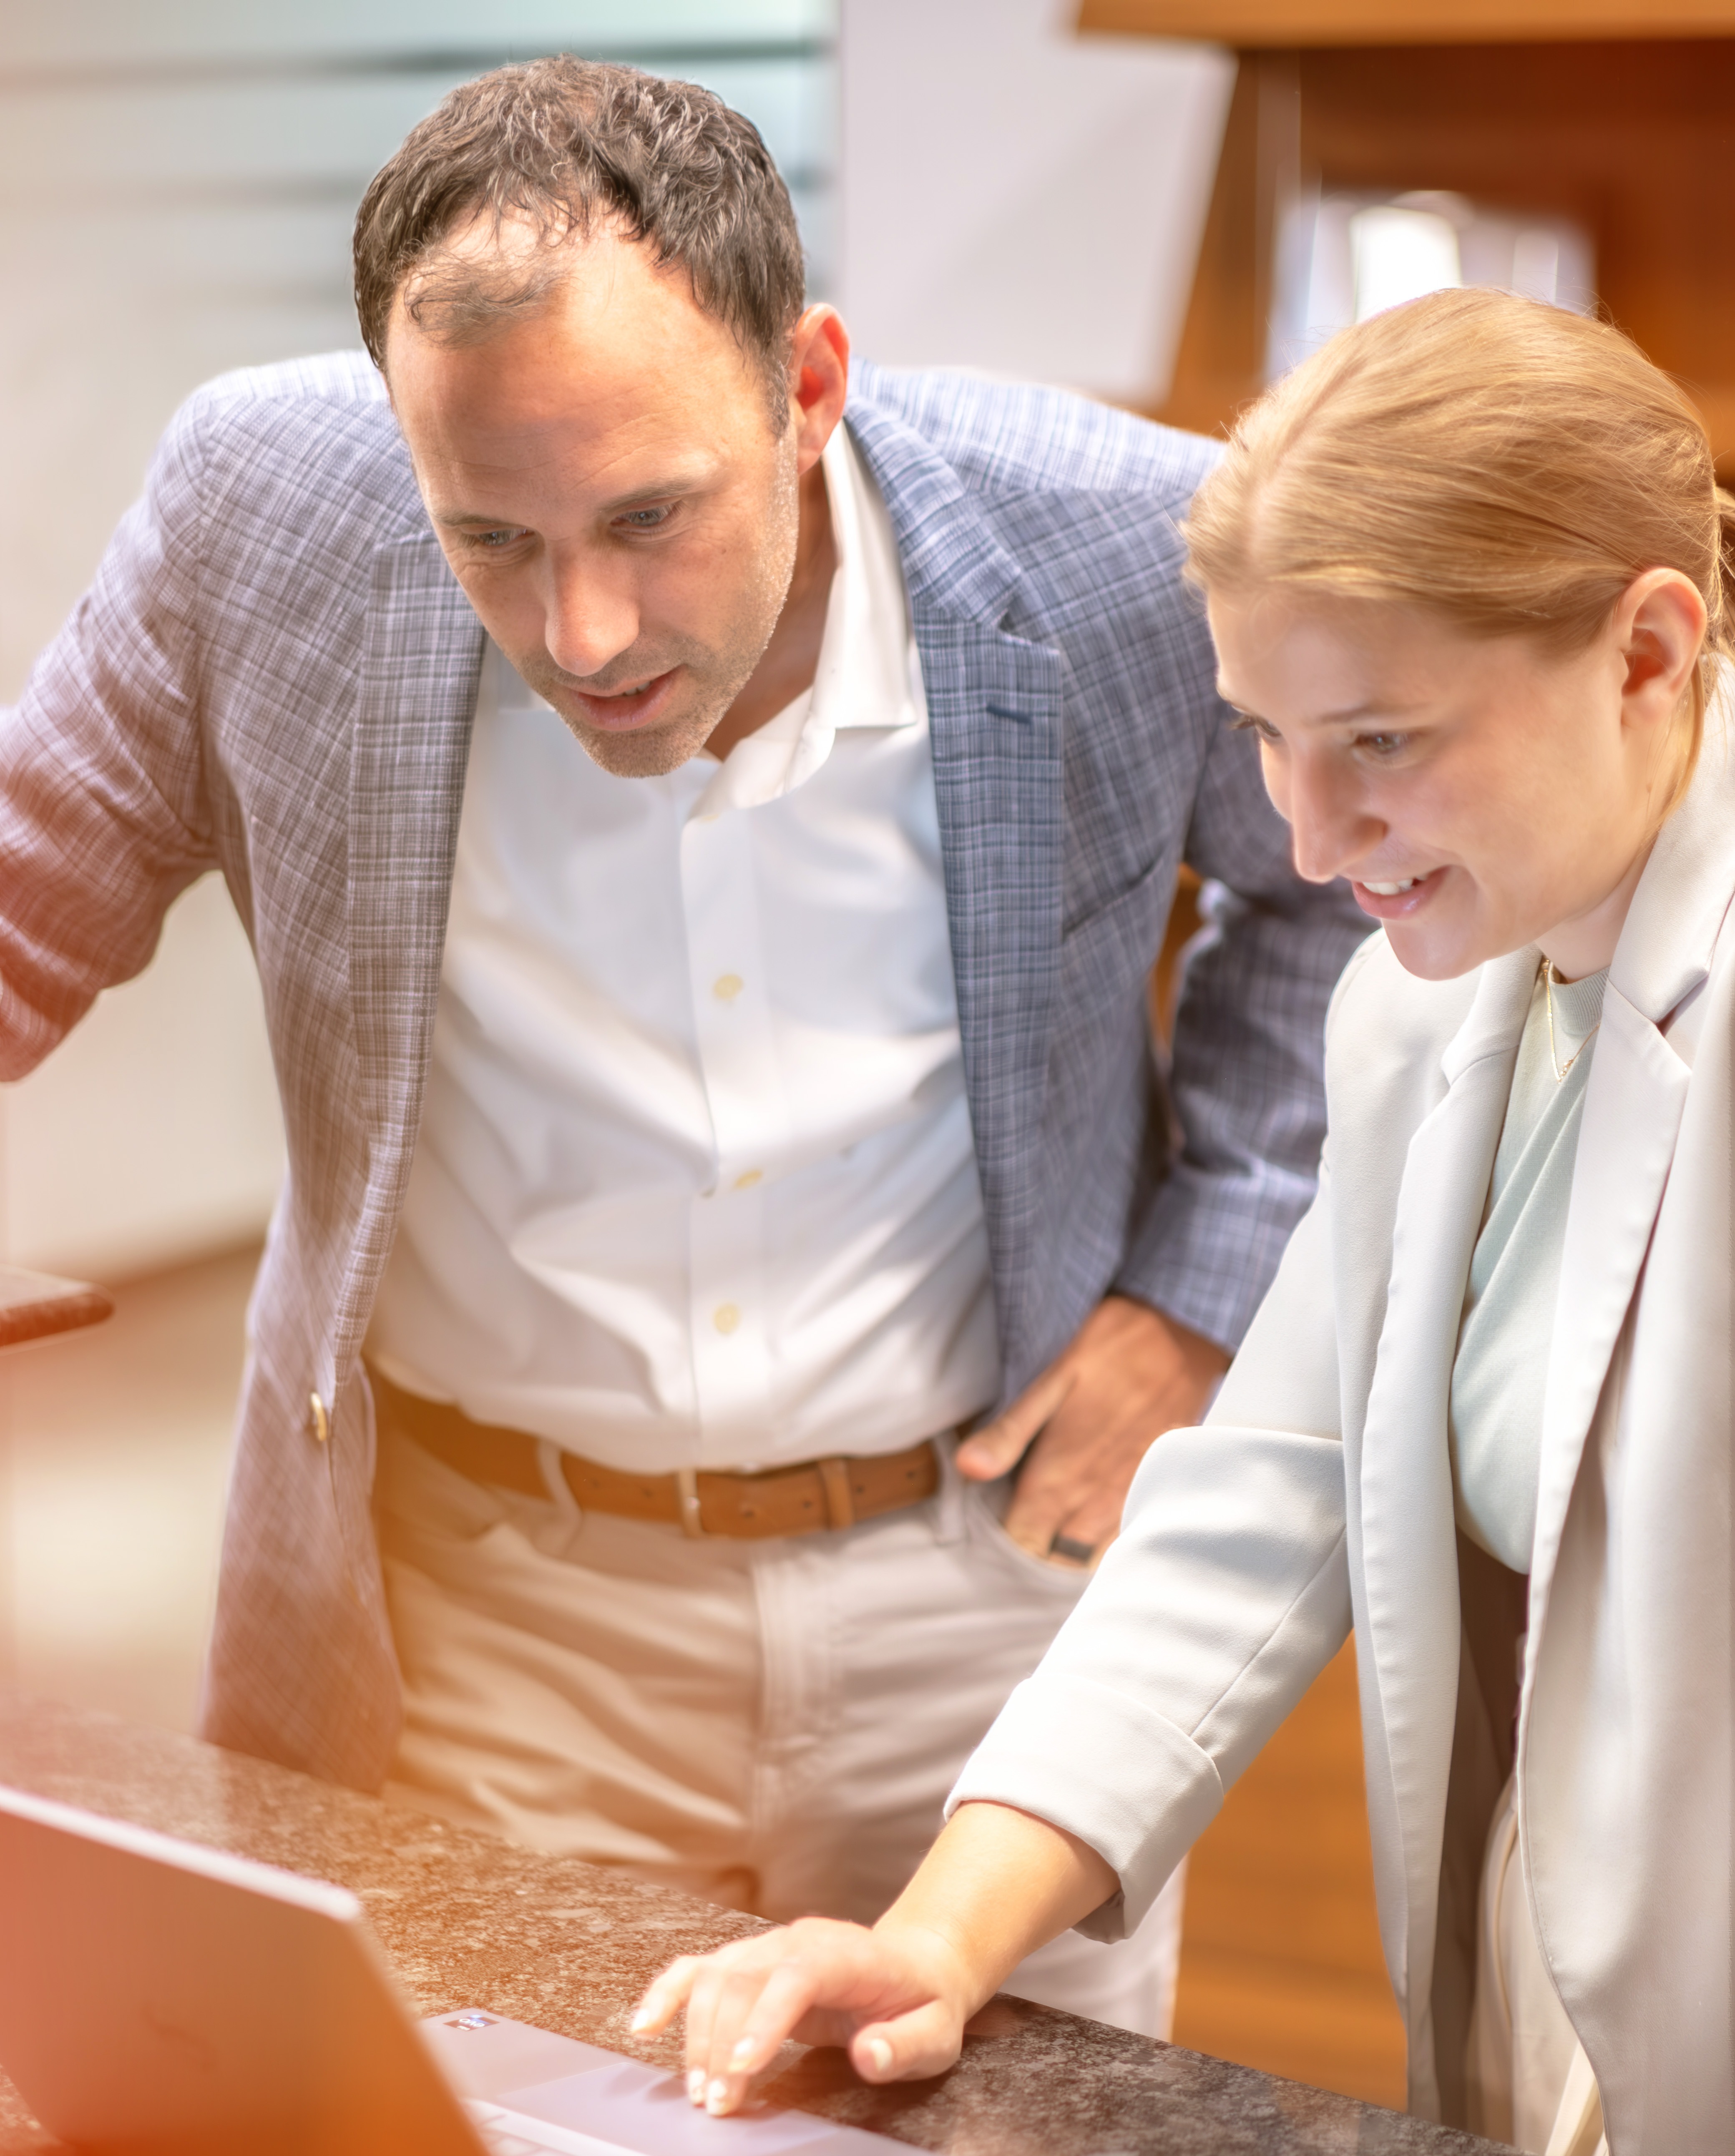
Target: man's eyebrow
{"type": "Point", "coordinates": [641, 497]}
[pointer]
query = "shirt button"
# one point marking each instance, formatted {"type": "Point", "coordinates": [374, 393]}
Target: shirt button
{"type": "Point", "coordinates": [725, 1317]}
{"type": "Point", "coordinates": [748, 1177]}
{"type": "Point", "coordinates": [319, 1421]}
{"type": "Point", "coordinates": [728, 987]}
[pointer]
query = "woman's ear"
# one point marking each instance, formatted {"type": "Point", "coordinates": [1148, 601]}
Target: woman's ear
{"type": "Point", "coordinates": [1659, 626]}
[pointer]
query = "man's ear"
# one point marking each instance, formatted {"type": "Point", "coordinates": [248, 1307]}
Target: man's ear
{"type": "Point", "coordinates": [818, 380]}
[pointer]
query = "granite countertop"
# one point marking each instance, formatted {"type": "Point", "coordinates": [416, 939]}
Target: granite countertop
{"type": "Point", "coordinates": [469, 1921]}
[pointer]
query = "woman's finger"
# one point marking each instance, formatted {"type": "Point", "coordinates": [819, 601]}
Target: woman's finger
{"type": "Point", "coordinates": [703, 1998]}
{"type": "Point", "coordinates": [736, 1993]}
{"type": "Point", "coordinates": [665, 1998]}
{"type": "Point", "coordinates": [909, 2046]}
{"type": "Point", "coordinates": [785, 1997]}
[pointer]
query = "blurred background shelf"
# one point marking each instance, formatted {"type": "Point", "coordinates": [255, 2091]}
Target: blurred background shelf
{"type": "Point", "coordinates": [1618, 118]}
{"type": "Point", "coordinates": [1249, 24]}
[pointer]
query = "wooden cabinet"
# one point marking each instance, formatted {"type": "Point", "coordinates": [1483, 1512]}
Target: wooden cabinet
{"type": "Point", "coordinates": [1621, 117]}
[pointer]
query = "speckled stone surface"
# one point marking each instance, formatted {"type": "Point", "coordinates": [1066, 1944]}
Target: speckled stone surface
{"type": "Point", "coordinates": [466, 1920]}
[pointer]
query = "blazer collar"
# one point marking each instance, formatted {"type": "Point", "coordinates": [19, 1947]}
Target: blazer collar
{"type": "Point", "coordinates": [953, 561]}
{"type": "Point", "coordinates": [1672, 926]}
{"type": "Point", "coordinates": [1496, 1015]}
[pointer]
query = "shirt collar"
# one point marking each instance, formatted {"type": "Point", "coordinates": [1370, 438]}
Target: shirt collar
{"type": "Point", "coordinates": [867, 675]}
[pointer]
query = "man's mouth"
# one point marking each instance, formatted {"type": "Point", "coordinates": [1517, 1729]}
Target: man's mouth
{"type": "Point", "coordinates": [619, 710]}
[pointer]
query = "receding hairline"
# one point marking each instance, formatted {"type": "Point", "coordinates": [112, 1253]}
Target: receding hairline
{"type": "Point", "coordinates": [488, 288]}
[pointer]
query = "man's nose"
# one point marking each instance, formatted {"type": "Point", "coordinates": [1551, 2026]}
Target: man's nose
{"type": "Point", "coordinates": [590, 618]}
{"type": "Point", "coordinates": [1332, 829]}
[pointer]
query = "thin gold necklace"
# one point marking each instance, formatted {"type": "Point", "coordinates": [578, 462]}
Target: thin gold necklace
{"type": "Point", "coordinates": [1559, 1068]}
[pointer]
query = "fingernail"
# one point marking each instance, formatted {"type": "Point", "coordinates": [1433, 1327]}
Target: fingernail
{"type": "Point", "coordinates": [742, 2055]}
{"type": "Point", "coordinates": [716, 2097]}
{"type": "Point", "coordinates": [696, 2085]}
{"type": "Point", "coordinates": [880, 2051]}
{"type": "Point", "coordinates": [640, 2021]}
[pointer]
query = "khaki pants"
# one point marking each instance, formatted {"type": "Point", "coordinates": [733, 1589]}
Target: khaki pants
{"type": "Point", "coordinates": [772, 1725]}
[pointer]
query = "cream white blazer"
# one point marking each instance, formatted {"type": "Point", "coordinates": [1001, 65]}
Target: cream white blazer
{"type": "Point", "coordinates": [1319, 1494]}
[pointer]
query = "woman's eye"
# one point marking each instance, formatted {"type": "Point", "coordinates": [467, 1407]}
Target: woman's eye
{"type": "Point", "coordinates": [1245, 722]}
{"type": "Point", "coordinates": [1382, 745]}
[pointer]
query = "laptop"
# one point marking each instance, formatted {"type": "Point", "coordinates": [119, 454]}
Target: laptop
{"type": "Point", "coordinates": [161, 1998]}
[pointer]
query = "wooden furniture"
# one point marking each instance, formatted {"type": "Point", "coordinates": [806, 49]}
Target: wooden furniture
{"type": "Point", "coordinates": [1620, 115]}
{"type": "Point", "coordinates": [1280, 1960]}
{"type": "Point", "coordinates": [34, 1306]}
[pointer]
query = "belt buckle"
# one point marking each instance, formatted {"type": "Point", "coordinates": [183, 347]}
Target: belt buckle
{"type": "Point", "coordinates": [686, 1497]}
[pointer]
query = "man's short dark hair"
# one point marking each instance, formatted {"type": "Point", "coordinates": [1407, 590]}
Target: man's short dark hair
{"type": "Point", "coordinates": [565, 144]}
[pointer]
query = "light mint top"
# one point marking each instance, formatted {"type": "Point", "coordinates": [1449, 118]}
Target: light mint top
{"type": "Point", "coordinates": [1498, 1379]}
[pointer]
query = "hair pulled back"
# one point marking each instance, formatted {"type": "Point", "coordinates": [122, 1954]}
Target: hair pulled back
{"type": "Point", "coordinates": [1506, 465]}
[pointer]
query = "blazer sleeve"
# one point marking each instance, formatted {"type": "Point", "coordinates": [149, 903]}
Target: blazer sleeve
{"type": "Point", "coordinates": [102, 816]}
{"type": "Point", "coordinates": [1245, 1077]}
{"type": "Point", "coordinates": [1226, 1593]}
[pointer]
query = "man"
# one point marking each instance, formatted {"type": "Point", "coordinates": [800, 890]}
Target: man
{"type": "Point", "coordinates": [704, 863]}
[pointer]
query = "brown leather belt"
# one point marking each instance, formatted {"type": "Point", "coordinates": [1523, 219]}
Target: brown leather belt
{"type": "Point", "coordinates": [781, 1500]}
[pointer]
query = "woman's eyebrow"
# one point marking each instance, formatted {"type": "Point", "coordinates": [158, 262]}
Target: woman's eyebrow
{"type": "Point", "coordinates": [1350, 715]}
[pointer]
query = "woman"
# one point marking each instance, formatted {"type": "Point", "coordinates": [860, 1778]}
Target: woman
{"type": "Point", "coordinates": [1465, 575]}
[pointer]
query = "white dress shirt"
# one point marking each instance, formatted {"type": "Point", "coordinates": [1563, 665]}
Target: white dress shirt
{"type": "Point", "coordinates": [695, 1183]}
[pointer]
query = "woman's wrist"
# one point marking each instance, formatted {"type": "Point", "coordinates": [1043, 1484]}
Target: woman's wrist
{"type": "Point", "coordinates": [955, 1968]}
{"type": "Point", "coordinates": [996, 1884]}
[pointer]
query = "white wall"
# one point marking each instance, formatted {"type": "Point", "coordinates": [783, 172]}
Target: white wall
{"type": "Point", "coordinates": [178, 179]}
{"type": "Point", "coordinates": [1019, 199]}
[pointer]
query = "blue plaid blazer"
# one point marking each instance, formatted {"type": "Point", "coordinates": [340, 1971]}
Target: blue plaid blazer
{"type": "Point", "coordinates": [273, 675]}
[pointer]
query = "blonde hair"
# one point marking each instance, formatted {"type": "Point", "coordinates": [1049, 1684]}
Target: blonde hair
{"type": "Point", "coordinates": [1505, 464]}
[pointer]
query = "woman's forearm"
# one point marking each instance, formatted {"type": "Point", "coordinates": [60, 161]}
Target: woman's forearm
{"type": "Point", "coordinates": [996, 1884]}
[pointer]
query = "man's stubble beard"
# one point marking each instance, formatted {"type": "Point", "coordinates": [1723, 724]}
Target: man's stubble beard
{"type": "Point", "coordinates": [718, 676]}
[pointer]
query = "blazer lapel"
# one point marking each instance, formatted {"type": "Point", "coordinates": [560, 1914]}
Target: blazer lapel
{"type": "Point", "coordinates": [1634, 1103]}
{"type": "Point", "coordinates": [421, 659]}
{"type": "Point", "coordinates": [1409, 1551]}
{"type": "Point", "coordinates": [995, 708]}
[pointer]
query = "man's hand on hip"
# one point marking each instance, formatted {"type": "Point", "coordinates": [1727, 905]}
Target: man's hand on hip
{"type": "Point", "coordinates": [1130, 1374]}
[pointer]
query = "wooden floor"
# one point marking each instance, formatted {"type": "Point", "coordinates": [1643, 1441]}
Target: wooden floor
{"type": "Point", "coordinates": [1281, 1965]}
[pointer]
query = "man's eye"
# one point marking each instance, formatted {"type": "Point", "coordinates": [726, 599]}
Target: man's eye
{"type": "Point", "coordinates": [646, 520]}
{"type": "Point", "coordinates": [492, 542]}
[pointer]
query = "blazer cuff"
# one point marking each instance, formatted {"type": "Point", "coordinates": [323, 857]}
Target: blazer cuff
{"type": "Point", "coordinates": [1210, 1246]}
{"type": "Point", "coordinates": [1097, 1765]}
